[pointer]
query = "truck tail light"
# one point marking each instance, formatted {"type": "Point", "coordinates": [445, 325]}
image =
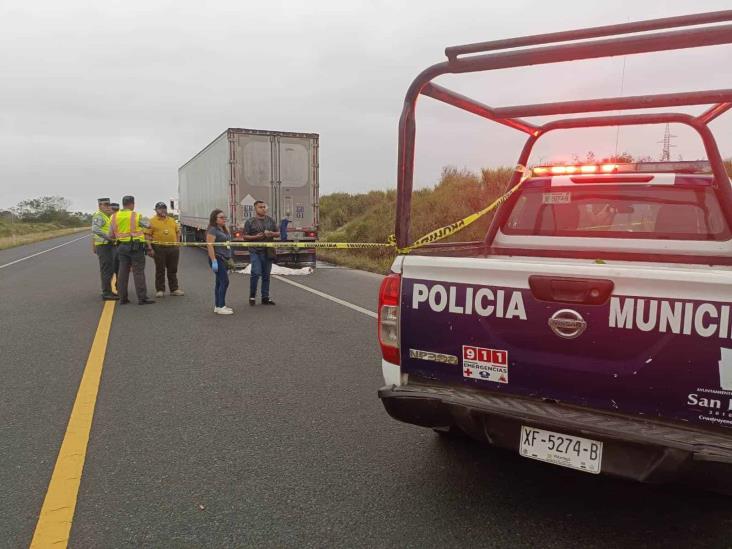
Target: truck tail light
{"type": "Point", "coordinates": [388, 325]}
{"type": "Point", "coordinates": [310, 233]}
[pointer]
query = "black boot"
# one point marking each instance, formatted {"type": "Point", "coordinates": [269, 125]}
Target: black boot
{"type": "Point", "coordinates": [267, 301]}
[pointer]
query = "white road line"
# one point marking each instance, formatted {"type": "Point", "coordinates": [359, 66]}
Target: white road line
{"type": "Point", "coordinates": [327, 296]}
{"type": "Point", "coordinates": [43, 251]}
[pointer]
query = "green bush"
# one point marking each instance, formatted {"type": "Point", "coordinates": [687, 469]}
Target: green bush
{"type": "Point", "coordinates": [370, 217]}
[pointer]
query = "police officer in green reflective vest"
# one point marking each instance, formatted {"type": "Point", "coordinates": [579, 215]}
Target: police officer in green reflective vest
{"type": "Point", "coordinates": [103, 247]}
{"type": "Point", "coordinates": [126, 227]}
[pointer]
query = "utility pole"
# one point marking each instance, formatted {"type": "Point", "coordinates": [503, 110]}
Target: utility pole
{"type": "Point", "coordinates": [666, 152]}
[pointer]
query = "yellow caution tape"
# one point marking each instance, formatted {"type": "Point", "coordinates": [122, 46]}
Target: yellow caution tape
{"type": "Point", "coordinates": [453, 228]}
{"type": "Point", "coordinates": [429, 238]}
{"type": "Point", "coordinates": [280, 244]}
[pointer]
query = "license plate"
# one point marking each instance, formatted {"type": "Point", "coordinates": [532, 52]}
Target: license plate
{"type": "Point", "coordinates": [565, 450]}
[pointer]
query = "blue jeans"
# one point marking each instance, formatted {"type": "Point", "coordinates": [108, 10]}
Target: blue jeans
{"type": "Point", "coordinates": [261, 266]}
{"type": "Point", "coordinates": [222, 282]}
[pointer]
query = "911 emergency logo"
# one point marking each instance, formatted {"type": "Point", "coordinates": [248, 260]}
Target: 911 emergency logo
{"type": "Point", "coordinates": [485, 364]}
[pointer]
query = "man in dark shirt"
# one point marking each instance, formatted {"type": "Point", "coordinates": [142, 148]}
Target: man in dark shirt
{"type": "Point", "coordinates": [261, 228]}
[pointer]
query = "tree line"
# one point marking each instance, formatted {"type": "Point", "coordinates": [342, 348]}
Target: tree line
{"type": "Point", "coordinates": [46, 209]}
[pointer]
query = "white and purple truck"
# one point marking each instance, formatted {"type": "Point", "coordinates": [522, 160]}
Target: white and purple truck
{"type": "Point", "coordinates": [592, 327]}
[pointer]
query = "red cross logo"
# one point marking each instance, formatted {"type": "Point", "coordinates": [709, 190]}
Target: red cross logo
{"type": "Point", "coordinates": [468, 372]}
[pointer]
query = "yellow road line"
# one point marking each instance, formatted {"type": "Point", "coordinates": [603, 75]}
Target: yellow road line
{"type": "Point", "coordinates": [54, 523]}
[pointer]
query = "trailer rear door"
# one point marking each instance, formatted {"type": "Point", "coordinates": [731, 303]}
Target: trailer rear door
{"type": "Point", "coordinates": [294, 190]}
{"type": "Point", "coordinates": [279, 169]}
{"type": "Point", "coordinates": [253, 161]}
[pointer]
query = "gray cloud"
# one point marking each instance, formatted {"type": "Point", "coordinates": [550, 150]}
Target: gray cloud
{"type": "Point", "coordinates": [112, 97]}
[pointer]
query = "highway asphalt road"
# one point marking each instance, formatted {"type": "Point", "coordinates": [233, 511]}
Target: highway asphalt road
{"type": "Point", "coordinates": [264, 429]}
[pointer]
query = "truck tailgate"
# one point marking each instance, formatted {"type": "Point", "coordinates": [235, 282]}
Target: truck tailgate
{"type": "Point", "coordinates": [637, 339]}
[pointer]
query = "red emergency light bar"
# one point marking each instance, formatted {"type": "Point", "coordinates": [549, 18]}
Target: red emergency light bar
{"type": "Point", "coordinates": [681, 166]}
{"type": "Point", "coordinates": [583, 169]}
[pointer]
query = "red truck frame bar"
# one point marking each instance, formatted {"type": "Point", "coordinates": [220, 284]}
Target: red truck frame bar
{"type": "Point", "coordinates": [574, 47]}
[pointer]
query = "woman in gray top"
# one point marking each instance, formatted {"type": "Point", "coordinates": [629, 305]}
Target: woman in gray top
{"type": "Point", "coordinates": [218, 257]}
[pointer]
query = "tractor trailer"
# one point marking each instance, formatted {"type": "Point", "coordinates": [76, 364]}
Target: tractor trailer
{"type": "Point", "coordinates": [242, 166]}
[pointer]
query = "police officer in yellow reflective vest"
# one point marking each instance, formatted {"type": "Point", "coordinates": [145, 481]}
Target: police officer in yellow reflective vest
{"type": "Point", "coordinates": [115, 258]}
{"type": "Point", "coordinates": [126, 227]}
{"type": "Point", "coordinates": [103, 247]}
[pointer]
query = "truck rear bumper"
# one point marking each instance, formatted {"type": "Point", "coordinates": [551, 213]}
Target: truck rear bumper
{"type": "Point", "coordinates": [633, 448]}
{"type": "Point", "coordinates": [286, 257]}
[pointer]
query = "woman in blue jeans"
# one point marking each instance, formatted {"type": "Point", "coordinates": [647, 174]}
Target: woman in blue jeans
{"type": "Point", "coordinates": [218, 257]}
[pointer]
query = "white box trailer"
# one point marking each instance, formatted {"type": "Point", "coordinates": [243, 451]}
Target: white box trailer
{"type": "Point", "coordinates": [244, 165]}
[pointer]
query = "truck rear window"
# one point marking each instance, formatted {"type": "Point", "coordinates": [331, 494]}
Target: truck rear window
{"type": "Point", "coordinates": [675, 212]}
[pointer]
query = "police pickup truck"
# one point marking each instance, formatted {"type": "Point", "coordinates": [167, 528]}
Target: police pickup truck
{"type": "Point", "coordinates": [592, 328]}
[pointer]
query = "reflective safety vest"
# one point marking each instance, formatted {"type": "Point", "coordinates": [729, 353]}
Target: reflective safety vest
{"type": "Point", "coordinates": [98, 240]}
{"type": "Point", "coordinates": [125, 226]}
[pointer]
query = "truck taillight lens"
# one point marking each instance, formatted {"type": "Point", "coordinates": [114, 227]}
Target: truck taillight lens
{"type": "Point", "coordinates": [389, 318]}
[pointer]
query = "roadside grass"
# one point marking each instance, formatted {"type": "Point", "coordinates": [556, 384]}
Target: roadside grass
{"type": "Point", "coordinates": [370, 217]}
{"type": "Point", "coordinates": [356, 260]}
{"type": "Point", "coordinates": [18, 234]}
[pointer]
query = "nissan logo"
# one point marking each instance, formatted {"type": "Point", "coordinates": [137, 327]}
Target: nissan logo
{"type": "Point", "coordinates": [567, 323]}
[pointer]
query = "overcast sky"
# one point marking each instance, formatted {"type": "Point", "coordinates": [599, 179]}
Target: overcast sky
{"type": "Point", "coordinates": [111, 97]}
